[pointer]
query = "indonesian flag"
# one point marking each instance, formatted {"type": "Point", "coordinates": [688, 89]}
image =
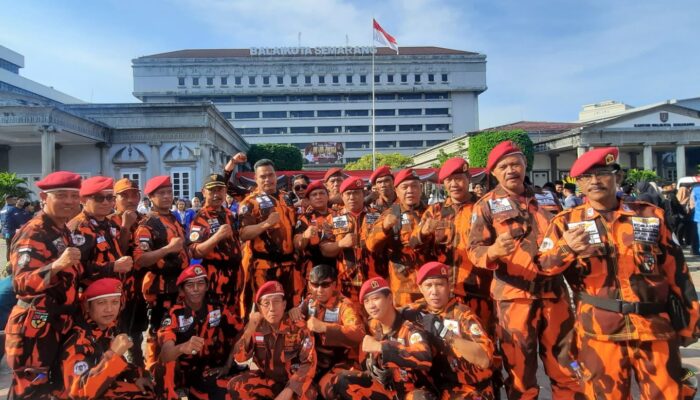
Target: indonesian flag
{"type": "Point", "coordinates": [381, 36]}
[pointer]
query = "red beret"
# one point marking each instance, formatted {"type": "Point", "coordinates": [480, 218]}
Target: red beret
{"type": "Point", "coordinates": [315, 185]}
{"type": "Point", "coordinates": [455, 165]}
{"type": "Point", "coordinates": [501, 150]}
{"type": "Point", "coordinates": [124, 184]}
{"type": "Point", "coordinates": [270, 288]}
{"type": "Point", "coordinates": [405, 175]}
{"type": "Point", "coordinates": [432, 269]}
{"type": "Point", "coordinates": [332, 172]}
{"type": "Point", "coordinates": [105, 287]}
{"type": "Point", "coordinates": [351, 183]}
{"type": "Point", "coordinates": [384, 170]}
{"type": "Point", "coordinates": [156, 183]}
{"type": "Point", "coordinates": [60, 180]}
{"type": "Point", "coordinates": [95, 185]}
{"type": "Point", "coordinates": [194, 271]}
{"type": "Point", "coordinates": [594, 158]}
{"type": "Point", "coordinates": [372, 286]}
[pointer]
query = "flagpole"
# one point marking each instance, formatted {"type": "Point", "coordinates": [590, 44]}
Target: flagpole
{"type": "Point", "coordinates": [374, 150]}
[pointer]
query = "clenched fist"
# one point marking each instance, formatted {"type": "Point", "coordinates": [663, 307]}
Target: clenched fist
{"type": "Point", "coordinates": [192, 346]}
{"type": "Point", "coordinates": [123, 265]}
{"type": "Point", "coordinates": [577, 239]}
{"type": "Point", "coordinates": [504, 245]}
{"type": "Point", "coordinates": [69, 257]}
{"type": "Point", "coordinates": [389, 222]}
{"type": "Point", "coordinates": [121, 343]}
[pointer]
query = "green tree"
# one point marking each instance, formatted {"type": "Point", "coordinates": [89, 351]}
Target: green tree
{"type": "Point", "coordinates": [481, 145]}
{"type": "Point", "coordinates": [637, 175]}
{"type": "Point", "coordinates": [394, 160]}
{"type": "Point", "coordinates": [285, 156]}
{"type": "Point", "coordinates": [443, 156]}
{"type": "Point", "coordinates": [10, 183]}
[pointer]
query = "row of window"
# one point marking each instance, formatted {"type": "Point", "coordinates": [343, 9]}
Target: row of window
{"type": "Point", "coordinates": [344, 129]}
{"type": "Point", "coordinates": [389, 112]}
{"type": "Point", "coordinates": [253, 80]}
{"type": "Point", "coordinates": [381, 144]}
{"type": "Point", "coordinates": [318, 98]}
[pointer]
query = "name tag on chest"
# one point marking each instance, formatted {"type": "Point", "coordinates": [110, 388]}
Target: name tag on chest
{"type": "Point", "coordinates": [340, 222]}
{"type": "Point", "coordinates": [591, 228]}
{"type": "Point", "coordinates": [500, 205]}
{"type": "Point", "coordinates": [645, 229]}
{"type": "Point", "coordinates": [265, 202]}
{"type": "Point", "coordinates": [545, 199]}
{"type": "Point", "coordinates": [331, 315]}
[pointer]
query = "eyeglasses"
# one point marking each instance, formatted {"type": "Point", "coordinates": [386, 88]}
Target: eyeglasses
{"type": "Point", "coordinates": [300, 187]}
{"type": "Point", "coordinates": [100, 198]}
{"type": "Point", "coordinates": [324, 284]}
{"type": "Point", "coordinates": [597, 174]}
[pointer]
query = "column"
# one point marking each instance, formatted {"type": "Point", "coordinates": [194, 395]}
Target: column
{"type": "Point", "coordinates": [680, 160]}
{"type": "Point", "coordinates": [648, 157]}
{"type": "Point", "coordinates": [4, 157]}
{"type": "Point", "coordinates": [205, 156]}
{"type": "Point", "coordinates": [104, 158]}
{"type": "Point", "coordinates": [553, 170]}
{"type": "Point", "coordinates": [581, 150]}
{"type": "Point", "coordinates": [48, 149]}
{"type": "Point", "coordinates": [155, 160]}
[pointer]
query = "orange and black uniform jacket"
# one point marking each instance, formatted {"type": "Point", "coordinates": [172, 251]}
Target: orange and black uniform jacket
{"type": "Point", "coordinates": [311, 255]}
{"type": "Point", "coordinates": [137, 275]}
{"type": "Point", "coordinates": [154, 232]}
{"type": "Point", "coordinates": [405, 351]}
{"type": "Point", "coordinates": [632, 257]}
{"type": "Point", "coordinates": [498, 212]}
{"type": "Point", "coordinates": [344, 330]}
{"type": "Point", "coordinates": [286, 356]}
{"type": "Point", "coordinates": [450, 371]}
{"type": "Point", "coordinates": [274, 245]}
{"type": "Point", "coordinates": [223, 262]}
{"type": "Point", "coordinates": [92, 371]}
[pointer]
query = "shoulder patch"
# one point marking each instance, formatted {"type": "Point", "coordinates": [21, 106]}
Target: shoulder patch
{"type": "Point", "coordinates": [166, 322]}
{"type": "Point", "coordinates": [415, 338]}
{"type": "Point", "coordinates": [547, 244]}
{"type": "Point", "coordinates": [194, 236]}
{"type": "Point", "coordinates": [475, 330]}
{"type": "Point", "coordinates": [80, 368]}
{"type": "Point", "coordinates": [78, 239]}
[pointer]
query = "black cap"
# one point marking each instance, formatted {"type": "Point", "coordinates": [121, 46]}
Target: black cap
{"type": "Point", "coordinates": [570, 186]}
{"type": "Point", "coordinates": [214, 180]}
{"type": "Point", "coordinates": [322, 272]}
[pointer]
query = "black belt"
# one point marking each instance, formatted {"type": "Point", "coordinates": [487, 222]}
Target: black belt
{"type": "Point", "coordinates": [274, 258]}
{"type": "Point", "coordinates": [535, 287]}
{"type": "Point", "coordinates": [623, 307]}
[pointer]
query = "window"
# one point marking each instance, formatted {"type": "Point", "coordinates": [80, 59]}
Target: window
{"type": "Point", "coordinates": [274, 114]}
{"type": "Point", "coordinates": [377, 78]}
{"type": "Point", "coordinates": [210, 81]}
{"type": "Point", "coordinates": [437, 111]}
{"type": "Point", "coordinates": [410, 111]}
{"type": "Point", "coordinates": [224, 80]}
{"type": "Point", "coordinates": [356, 113]}
{"type": "Point", "coordinates": [280, 80]}
{"type": "Point", "coordinates": [301, 98]}
{"type": "Point", "coordinates": [431, 143]}
{"type": "Point", "coordinates": [181, 81]}
{"type": "Point", "coordinates": [329, 97]}
{"type": "Point", "coordinates": [410, 96]}
{"type": "Point", "coordinates": [133, 175]}
{"type": "Point", "coordinates": [322, 79]}
{"type": "Point", "coordinates": [307, 79]}
{"type": "Point", "coordinates": [416, 78]}
{"type": "Point", "coordinates": [348, 79]}
{"type": "Point", "coordinates": [221, 99]}
{"type": "Point", "coordinates": [437, 127]}
{"type": "Point", "coordinates": [411, 143]}
{"type": "Point", "coordinates": [404, 78]}
{"type": "Point", "coordinates": [410, 128]}
{"type": "Point", "coordinates": [384, 112]}
{"type": "Point", "coordinates": [181, 182]}
{"type": "Point", "coordinates": [328, 113]}
{"type": "Point", "coordinates": [380, 97]}
{"type": "Point", "coordinates": [250, 131]}
{"type": "Point", "coordinates": [301, 146]}
{"type": "Point", "coordinates": [237, 80]}
{"type": "Point", "coordinates": [357, 129]}
{"type": "Point", "coordinates": [329, 129]}
{"type": "Point", "coordinates": [357, 145]}
{"type": "Point", "coordinates": [390, 78]}
{"type": "Point", "coordinates": [266, 80]}
{"type": "Point", "coordinates": [363, 79]}
{"type": "Point", "coordinates": [385, 128]}
{"type": "Point", "coordinates": [274, 131]}
{"type": "Point", "coordinates": [444, 78]}
{"type": "Point", "coordinates": [245, 99]}
{"type": "Point", "coordinates": [385, 144]}
{"type": "Point", "coordinates": [437, 96]}
{"type": "Point", "coordinates": [226, 114]}
{"type": "Point", "coordinates": [336, 79]}
{"type": "Point", "coordinates": [272, 99]}
{"type": "Point", "coordinates": [431, 78]}
{"type": "Point", "coordinates": [195, 81]}
{"type": "Point", "coordinates": [302, 129]}
{"type": "Point", "coordinates": [251, 80]}
{"type": "Point", "coordinates": [247, 114]}
{"type": "Point", "coordinates": [294, 80]}
{"type": "Point", "coordinates": [358, 97]}
{"type": "Point", "coordinates": [301, 114]}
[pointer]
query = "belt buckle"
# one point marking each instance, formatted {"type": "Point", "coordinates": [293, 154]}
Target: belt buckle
{"type": "Point", "coordinates": [628, 308]}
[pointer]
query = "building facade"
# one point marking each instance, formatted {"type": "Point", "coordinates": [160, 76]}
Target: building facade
{"type": "Point", "coordinates": [319, 99]}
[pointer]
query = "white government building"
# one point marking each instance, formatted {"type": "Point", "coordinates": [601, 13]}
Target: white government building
{"type": "Point", "coordinates": [319, 98]}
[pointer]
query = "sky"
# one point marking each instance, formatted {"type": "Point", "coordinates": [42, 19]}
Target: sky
{"type": "Point", "coordinates": [545, 59]}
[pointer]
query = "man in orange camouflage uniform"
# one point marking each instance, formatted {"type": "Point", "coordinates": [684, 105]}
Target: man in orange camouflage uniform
{"type": "Point", "coordinates": [133, 319]}
{"type": "Point", "coordinates": [347, 241]}
{"type": "Point", "coordinates": [46, 272]}
{"type": "Point", "coordinates": [336, 323]}
{"type": "Point", "coordinates": [94, 363]}
{"type": "Point", "coordinates": [312, 227]}
{"type": "Point", "coordinates": [214, 240]}
{"type": "Point", "coordinates": [98, 237]}
{"type": "Point", "coordinates": [398, 355]}
{"type": "Point", "coordinates": [196, 339]}
{"type": "Point", "coordinates": [534, 314]}
{"type": "Point", "coordinates": [462, 350]}
{"type": "Point", "coordinates": [383, 192]}
{"type": "Point", "coordinates": [267, 224]}
{"type": "Point", "coordinates": [444, 230]}
{"type": "Point", "coordinates": [282, 349]}
{"type": "Point", "coordinates": [333, 178]}
{"type": "Point", "coordinates": [160, 248]}
{"type": "Point", "coordinates": [392, 232]}
{"type": "Point", "coordinates": [636, 299]}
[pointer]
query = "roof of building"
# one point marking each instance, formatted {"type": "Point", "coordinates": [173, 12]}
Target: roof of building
{"type": "Point", "coordinates": [381, 51]}
{"type": "Point", "coordinates": [536, 126]}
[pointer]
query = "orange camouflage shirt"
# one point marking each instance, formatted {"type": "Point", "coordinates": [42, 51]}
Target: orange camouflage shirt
{"type": "Point", "coordinates": [275, 244]}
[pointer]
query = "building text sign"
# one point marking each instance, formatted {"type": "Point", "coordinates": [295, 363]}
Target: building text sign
{"type": "Point", "coordinates": [313, 51]}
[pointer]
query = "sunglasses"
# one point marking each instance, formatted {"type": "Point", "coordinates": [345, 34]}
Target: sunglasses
{"type": "Point", "coordinates": [300, 187]}
{"type": "Point", "coordinates": [100, 198]}
{"type": "Point", "coordinates": [324, 284]}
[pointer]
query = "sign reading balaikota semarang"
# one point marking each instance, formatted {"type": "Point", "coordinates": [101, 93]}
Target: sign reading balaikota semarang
{"type": "Point", "coordinates": [313, 51]}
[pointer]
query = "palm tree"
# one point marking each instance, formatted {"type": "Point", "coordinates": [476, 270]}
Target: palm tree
{"type": "Point", "coordinates": [10, 183]}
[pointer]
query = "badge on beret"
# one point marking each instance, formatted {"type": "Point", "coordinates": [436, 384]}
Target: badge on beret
{"type": "Point", "coordinates": [609, 159]}
{"type": "Point", "coordinates": [198, 271]}
{"type": "Point", "coordinates": [443, 271]}
{"type": "Point", "coordinates": [374, 284]}
{"type": "Point", "coordinates": [358, 183]}
{"type": "Point", "coordinates": [415, 338]}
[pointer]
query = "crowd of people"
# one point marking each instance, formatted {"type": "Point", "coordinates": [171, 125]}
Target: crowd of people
{"type": "Point", "coordinates": [344, 289]}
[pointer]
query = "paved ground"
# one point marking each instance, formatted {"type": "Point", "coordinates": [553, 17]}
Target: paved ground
{"type": "Point", "coordinates": [691, 354]}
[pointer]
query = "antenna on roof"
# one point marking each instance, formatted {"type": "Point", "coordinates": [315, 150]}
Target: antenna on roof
{"type": "Point", "coordinates": [299, 39]}
{"type": "Point", "coordinates": [347, 40]}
